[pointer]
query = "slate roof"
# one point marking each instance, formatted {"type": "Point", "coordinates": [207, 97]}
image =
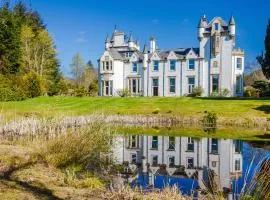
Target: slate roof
{"type": "Point", "coordinates": [179, 52]}
{"type": "Point", "coordinates": [163, 54]}
{"type": "Point", "coordinates": [223, 23]}
{"type": "Point", "coordinates": [115, 54]}
{"type": "Point", "coordinates": [232, 22]}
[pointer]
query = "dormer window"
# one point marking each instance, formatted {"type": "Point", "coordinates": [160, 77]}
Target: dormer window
{"type": "Point", "coordinates": [128, 54]}
{"type": "Point", "coordinates": [172, 65]}
{"type": "Point", "coordinates": [155, 65]}
{"type": "Point", "coordinates": [191, 64]}
{"type": "Point", "coordinates": [216, 26]}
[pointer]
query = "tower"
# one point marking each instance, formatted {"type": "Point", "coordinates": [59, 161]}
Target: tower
{"type": "Point", "coordinates": [201, 27]}
{"type": "Point", "coordinates": [152, 44]}
{"type": "Point", "coordinates": [232, 28]}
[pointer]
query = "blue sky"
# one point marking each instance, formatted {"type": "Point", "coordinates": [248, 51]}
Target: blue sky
{"type": "Point", "coordinates": [81, 25]}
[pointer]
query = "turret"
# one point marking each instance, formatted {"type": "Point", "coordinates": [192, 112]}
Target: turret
{"type": "Point", "coordinates": [145, 56]}
{"type": "Point", "coordinates": [201, 27]}
{"type": "Point", "coordinates": [131, 42]}
{"type": "Point", "coordinates": [232, 26]}
{"type": "Point", "coordinates": [152, 44]}
{"type": "Point", "coordinates": [107, 43]}
{"type": "Point", "coordinates": [137, 44]}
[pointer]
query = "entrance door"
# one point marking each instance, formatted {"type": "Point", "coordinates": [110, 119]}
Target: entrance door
{"type": "Point", "coordinates": [155, 86]}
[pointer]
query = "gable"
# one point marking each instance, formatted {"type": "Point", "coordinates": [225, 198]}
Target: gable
{"type": "Point", "coordinates": [191, 54]}
{"type": "Point", "coordinates": [155, 56]}
{"type": "Point", "coordinates": [172, 56]}
{"type": "Point", "coordinates": [106, 56]}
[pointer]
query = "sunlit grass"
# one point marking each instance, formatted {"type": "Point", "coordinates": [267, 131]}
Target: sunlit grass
{"type": "Point", "coordinates": [182, 106]}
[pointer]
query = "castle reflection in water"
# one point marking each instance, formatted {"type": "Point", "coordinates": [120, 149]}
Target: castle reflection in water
{"type": "Point", "coordinates": [208, 161]}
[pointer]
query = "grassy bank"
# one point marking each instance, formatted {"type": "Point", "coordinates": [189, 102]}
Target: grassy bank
{"type": "Point", "coordinates": [189, 107]}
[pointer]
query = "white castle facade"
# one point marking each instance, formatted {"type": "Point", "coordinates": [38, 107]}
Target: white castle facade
{"type": "Point", "coordinates": [214, 66]}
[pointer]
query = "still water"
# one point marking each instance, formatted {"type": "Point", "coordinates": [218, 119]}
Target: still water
{"type": "Point", "coordinates": [194, 165]}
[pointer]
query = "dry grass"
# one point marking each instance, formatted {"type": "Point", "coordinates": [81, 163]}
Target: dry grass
{"type": "Point", "coordinates": [127, 193]}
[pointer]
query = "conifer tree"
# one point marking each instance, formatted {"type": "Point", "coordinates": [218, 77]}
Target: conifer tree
{"type": "Point", "coordinates": [264, 59]}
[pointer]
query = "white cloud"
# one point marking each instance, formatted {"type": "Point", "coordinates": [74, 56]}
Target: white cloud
{"type": "Point", "coordinates": [81, 37]}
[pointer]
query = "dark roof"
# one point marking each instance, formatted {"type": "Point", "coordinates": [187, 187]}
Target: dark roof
{"type": "Point", "coordinates": [232, 22]}
{"type": "Point", "coordinates": [145, 50]}
{"type": "Point", "coordinates": [130, 38]}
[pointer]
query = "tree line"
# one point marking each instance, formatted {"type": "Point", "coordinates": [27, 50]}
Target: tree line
{"type": "Point", "coordinates": [29, 66]}
{"type": "Point", "coordinates": [258, 81]}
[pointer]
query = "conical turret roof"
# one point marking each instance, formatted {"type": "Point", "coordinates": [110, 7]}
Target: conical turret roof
{"type": "Point", "coordinates": [232, 22]}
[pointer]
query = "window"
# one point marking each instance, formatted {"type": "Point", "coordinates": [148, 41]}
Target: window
{"type": "Point", "coordinates": [110, 65]}
{"type": "Point", "coordinates": [128, 54]}
{"type": "Point", "coordinates": [134, 67]}
{"type": "Point", "coordinates": [107, 88]}
{"type": "Point", "coordinates": [107, 65]}
{"type": "Point", "coordinates": [133, 142]}
{"type": "Point", "coordinates": [172, 65]}
{"type": "Point", "coordinates": [134, 85]}
{"type": "Point", "coordinates": [238, 146]}
{"type": "Point", "coordinates": [191, 64]}
{"type": "Point", "coordinates": [155, 160]}
{"type": "Point", "coordinates": [171, 161]}
{"type": "Point", "coordinates": [171, 143]}
{"type": "Point", "coordinates": [190, 146]}
{"type": "Point", "coordinates": [190, 163]}
{"type": "Point", "coordinates": [238, 84]}
{"type": "Point", "coordinates": [214, 163]}
{"type": "Point", "coordinates": [133, 158]}
{"type": "Point", "coordinates": [155, 142]}
{"type": "Point", "coordinates": [216, 26]}
{"type": "Point", "coordinates": [172, 85]}
{"type": "Point", "coordinates": [191, 84]}
{"type": "Point", "coordinates": [155, 86]}
{"type": "Point", "coordinates": [239, 63]}
{"type": "Point", "coordinates": [155, 65]}
{"type": "Point", "coordinates": [215, 83]}
{"type": "Point", "coordinates": [237, 165]}
{"type": "Point", "coordinates": [214, 147]}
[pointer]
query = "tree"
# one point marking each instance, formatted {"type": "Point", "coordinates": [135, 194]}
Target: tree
{"type": "Point", "coordinates": [77, 67]}
{"type": "Point", "coordinates": [264, 59]}
{"type": "Point", "coordinates": [10, 53]}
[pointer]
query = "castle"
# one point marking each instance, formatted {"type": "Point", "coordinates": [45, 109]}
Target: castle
{"type": "Point", "coordinates": [216, 65]}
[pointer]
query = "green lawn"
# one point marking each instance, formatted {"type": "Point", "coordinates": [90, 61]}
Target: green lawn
{"type": "Point", "coordinates": [65, 106]}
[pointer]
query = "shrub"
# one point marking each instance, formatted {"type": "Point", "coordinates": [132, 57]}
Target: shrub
{"type": "Point", "coordinates": [263, 87]}
{"type": "Point", "coordinates": [63, 87]}
{"type": "Point", "coordinates": [32, 85]}
{"type": "Point", "coordinates": [214, 94]}
{"type": "Point", "coordinates": [197, 91]}
{"type": "Point", "coordinates": [93, 88]}
{"type": "Point", "coordinates": [209, 120]}
{"type": "Point", "coordinates": [225, 92]}
{"type": "Point", "coordinates": [156, 111]}
{"type": "Point", "coordinates": [11, 89]}
{"type": "Point", "coordinates": [123, 92]}
{"type": "Point", "coordinates": [251, 92]}
{"type": "Point", "coordinates": [80, 91]}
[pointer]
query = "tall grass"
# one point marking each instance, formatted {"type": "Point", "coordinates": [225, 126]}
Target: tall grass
{"type": "Point", "coordinates": [83, 146]}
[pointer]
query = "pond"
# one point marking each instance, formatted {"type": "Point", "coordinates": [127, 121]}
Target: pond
{"type": "Point", "coordinates": [194, 165]}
